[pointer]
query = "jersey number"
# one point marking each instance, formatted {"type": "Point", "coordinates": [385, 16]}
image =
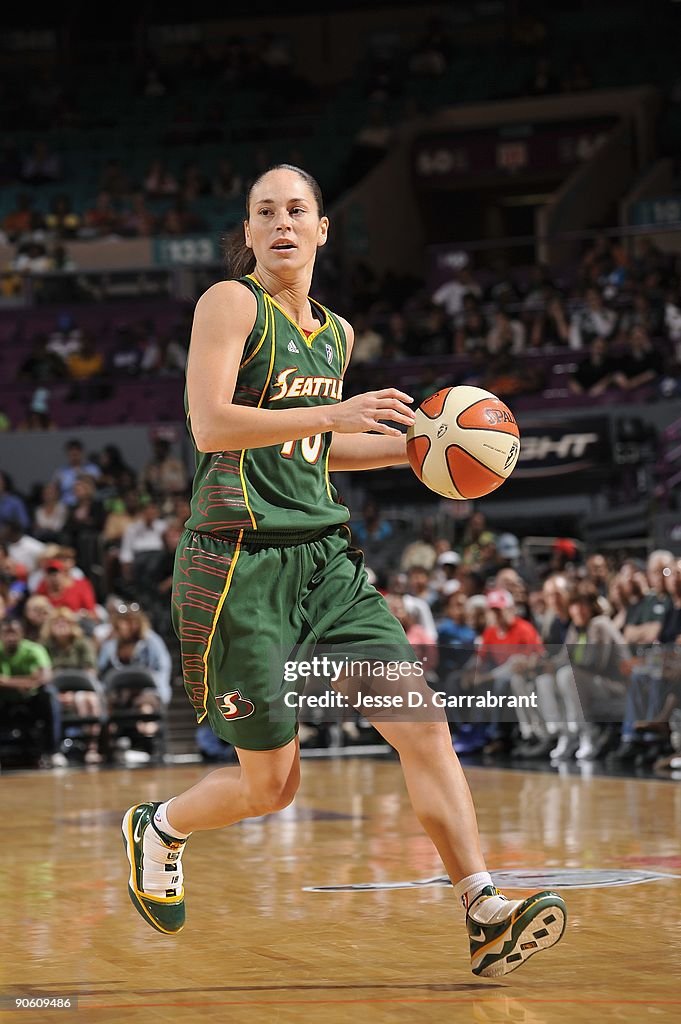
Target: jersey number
{"type": "Point", "coordinates": [310, 448]}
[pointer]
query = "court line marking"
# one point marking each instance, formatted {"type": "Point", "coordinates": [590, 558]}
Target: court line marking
{"type": "Point", "coordinates": [406, 999]}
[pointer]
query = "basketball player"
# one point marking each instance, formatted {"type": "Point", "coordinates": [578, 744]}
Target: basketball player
{"type": "Point", "coordinates": [264, 564]}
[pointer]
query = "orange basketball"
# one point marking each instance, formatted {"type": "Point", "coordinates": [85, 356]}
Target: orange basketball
{"type": "Point", "coordinates": [464, 443]}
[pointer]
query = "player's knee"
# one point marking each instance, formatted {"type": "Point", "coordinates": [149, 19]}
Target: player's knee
{"type": "Point", "coordinates": [274, 794]}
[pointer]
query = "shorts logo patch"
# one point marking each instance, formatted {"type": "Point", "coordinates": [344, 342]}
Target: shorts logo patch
{"type": "Point", "coordinates": [232, 705]}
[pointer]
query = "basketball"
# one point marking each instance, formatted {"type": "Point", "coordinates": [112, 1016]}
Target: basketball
{"type": "Point", "coordinates": [464, 443]}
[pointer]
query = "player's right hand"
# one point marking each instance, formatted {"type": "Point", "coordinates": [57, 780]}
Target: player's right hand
{"type": "Point", "coordinates": [366, 412]}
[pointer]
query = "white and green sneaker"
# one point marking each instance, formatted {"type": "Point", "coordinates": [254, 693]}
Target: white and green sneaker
{"type": "Point", "coordinates": [155, 884]}
{"type": "Point", "coordinates": [515, 932]}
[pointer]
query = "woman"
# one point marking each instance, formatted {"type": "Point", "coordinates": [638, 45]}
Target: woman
{"type": "Point", "coordinates": [69, 648]}
{"type": "Point", "coordinates": [50, 515]}
{"type": "Point", "coordinates": [589, 696]}
{"type": "Point", "coordinates": [264, 566]}
{"type": "Point", "coordinates": [35, 614]}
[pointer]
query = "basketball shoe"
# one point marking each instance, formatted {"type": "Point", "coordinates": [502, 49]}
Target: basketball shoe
{"type": "Point", "coordinates": [155, 884]}
{"type": "Point", "coordinates": [513, 933]}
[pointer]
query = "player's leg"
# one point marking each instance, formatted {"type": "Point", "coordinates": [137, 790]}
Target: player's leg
{"type": "Point", "coordinates": [228, 677]}
{"type": "Point", "coordinates": [348, 612]}
{"type": "Point", "coordinates": [503, 933]}
{"type": "Point", "coordinates": [155, 834]}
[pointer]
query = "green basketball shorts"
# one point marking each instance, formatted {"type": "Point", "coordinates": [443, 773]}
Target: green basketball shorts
{"type": "Point", "coordinates": [240, 606]}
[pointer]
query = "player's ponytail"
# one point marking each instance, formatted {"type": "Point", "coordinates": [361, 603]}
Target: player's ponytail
{"type": "Point", "coordinates": [240, 259]}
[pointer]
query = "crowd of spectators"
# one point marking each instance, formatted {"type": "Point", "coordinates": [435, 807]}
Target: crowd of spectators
{"type": "Point", "coordinates": [86, 565]}
{"type": "Point", "coordinates": [613, 316]}
{"type": "Point", "coordinates": [591, 640]}
{"type": "Point", "coordinates": [85, 576]}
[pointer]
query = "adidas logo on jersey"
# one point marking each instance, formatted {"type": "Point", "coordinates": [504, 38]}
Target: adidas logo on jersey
{"type": "Point", "coordinates": [292, 347]}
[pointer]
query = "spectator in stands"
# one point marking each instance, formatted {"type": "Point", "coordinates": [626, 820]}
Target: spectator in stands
{"type": "Point", "coordinates": [368, 342]}
{"type": "Point", "coordinates": [69, 648]}
{"type": "Point", "coordinates": [590, 687]}
{"type": "Point", "coordinates": [180, 219]}
{"type": "Point", "coordinates": [597, 572]}
{"type": "Point", "coordinates": [550, 326]}
{"type": "Point", "coordinates": [455, 637]}
{"type": "Point", "coordinates": [134, 644]}
{"type": "Point", "coordinates": [436, 336]}
{"type": "Point", "coordinates": [165, 474]}
{"type": "Point", "coordinates": [591, 320]}
{"type": "Point", "coordinates": [595, 373]}
{"type": "Point", "coordinates": [422, 639]}
{"type": "Point", "coordinates": [399, 337]}
{"type": "Point", "coordinates": [372, 527]}
{"type": "Point", "coordinates": [64, 339]}
{"type": "Point", "coordinates": [20, 220]}
{"type": "Point", "coordinates": [76, 463]}
{"type": "Point", "coordinates": [450, 293]}
{"type": "Point", "coordinates": [506, 334]}
{"type": "Point", "coordinates": [116, 476]}
{"type": "Point", "coordinates": [651, 686]}
{"type": "Point", "coordinates": [32, 258]}
{"type": "Point", "coordinates": [102, 217]}
{"type": "Point", "coordinates": [63, 590]}
{"type": "Point", "coordinates": [125, 356]}
{"type": "Point", "coordinates": [640, 364]}
{"type": "Point", "coordinates": [645, 617]}
{"type": "Point", "coordinates": [509, 648]}
{"type": "Point", "coordinates": [38, 415]}
{"type": "Point", "coordinates": [61, 218]}
{"type": "Point", "coordinates": [25, 674]}
{"type": "Point", "coordinates": [12, 506]}
{"type": "Point", "coordinates": [41, 165]}
{"type": "Point", "coordinates": [159, 181]}
{"type": "Point", "coordinates": [85, 364]}
{"type": "Point", "coordinates": [642, 313]}
{"type": "Point", "coordinates": [672, 319]}
{"type": "Point", "coordinates": [472, 330]}
{"type": "Point", "coordinates": [42, 365]}
{"type": "Point", "coordinates": [49, 516]}
{"type": "Point", "coordinates": [137, 220]}
{"type": "Point", "coordinates": [84, 524]}
{"type": "Point", "coordinates": [476, 538]}
{"type": "Point", "coordinates": [34, 614]}
{"type": "Point", "coordinates": [419, 585]}
{"type": "Point", "coordinates": [173, 353]}
{"type": "Point", "coordinates": [421, 551]}
{"type": "Point", "coordinates": [22, 547]}
{"type": "Point", "coordinates": [143, 536]}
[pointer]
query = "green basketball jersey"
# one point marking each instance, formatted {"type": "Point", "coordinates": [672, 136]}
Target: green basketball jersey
{"type": "Point", "coordinates": [283, 487]}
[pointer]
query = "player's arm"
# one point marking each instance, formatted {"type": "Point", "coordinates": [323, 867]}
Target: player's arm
{"type": "Point", "coordinates": [365, 451]}
{"type": "Point", "coordinates": [223, 319]}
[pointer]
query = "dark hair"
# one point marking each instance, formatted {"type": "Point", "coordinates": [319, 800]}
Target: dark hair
{"type": "Point", "coordinates": [240, 259]}
{"type": "Point", "coordinates": [586, 593]}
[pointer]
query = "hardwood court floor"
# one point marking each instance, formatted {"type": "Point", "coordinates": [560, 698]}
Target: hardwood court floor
{"type": "Point", "coordinates": [259, 949]}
